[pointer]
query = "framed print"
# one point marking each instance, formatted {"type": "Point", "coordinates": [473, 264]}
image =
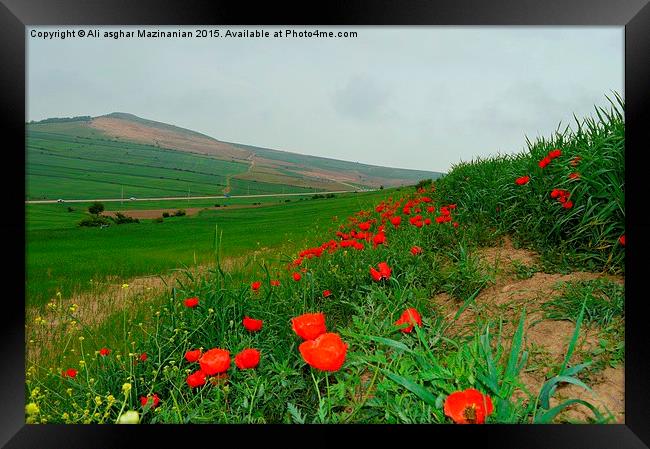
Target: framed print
{"type": "Point", "coordinates": [384, 219]}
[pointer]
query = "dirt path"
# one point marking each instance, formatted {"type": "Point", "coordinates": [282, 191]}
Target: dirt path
{"type": "Point", "coordinates": [546, 340]}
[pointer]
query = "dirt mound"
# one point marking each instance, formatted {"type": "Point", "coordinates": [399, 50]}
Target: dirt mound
{"type": "Point", "coordinates": [545, 340]}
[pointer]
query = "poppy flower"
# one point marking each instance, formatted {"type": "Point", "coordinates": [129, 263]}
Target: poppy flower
{"type": "Point", "coordinates": [575, 161]}
{"type": "Point", "coordinates": [455, 223]}
{"type": "Point", "coordinates": [296, 276]}
{"type": "Point", "coordinates": [247, 359]}
{"type": "Point", "coordinates": [326, 353]}
{"type": "Point", "coordinates": [376, 275]}
{"type": "Point", "coordinates": [153, 399]}
{"type": "Point", "coordinates": [326, 293]}
{"type": "Point", "coordinates": [365, 225]}
{"type": "Point", "coordinates": [554, 153]}
{"type": "Point", "coordinates": [574, 175]}
{"type": "Point", "coordinates": [215, 361]}
{"type": "Point", "coordinates": [252, 324]}
{"type": "Point", "coordinates": [357, 245]}
{"type": "Point", "coordinates": [416, 250]}
{"type": "Point", "coordinates": [523, 180]}
{"type": "Point", "coordinates": [379, 239]}
{"type": "Point", "coordinates": [384, 269]}
{"type": "Point", "coordinates": [297, 262]}
{"type": "Point", "coordinates": [255, 286]}
{"type": "Point", "coordinates": [396, 220]}
{"type": "Point", "coordinates": [275, 283]}
{"type": "Point", "coordinates": [104, 352]}
{"type": "Point", "coordinates": [309, 325]}
{"type": "Point", "coordinates": [568, 204]}
{"type": "Point", "coordinates": [143, 357]}
{"type": "Point", "coordinates": [411, 317]}
{"type": "Point", "coordinates": [427, 221]}
{"type": "Point", "coordinates": [468, 407]}
{"type": "Point", "coordinates": [196, 379]}
{"type": "Point", "coordinates": [431, 209]}
{"type": "Point", "coordinates": [544, 162]}
{"type": "Point", "coordinates": [193, 356]}
{"type": "Point", "coordinates": [621, 240]}
{"type": "Point", "coordinates": [191, 302]}
{"type": "Point", "coordinates": [70, 372]}
{"type": "Point", "coordinates": [555, 193]}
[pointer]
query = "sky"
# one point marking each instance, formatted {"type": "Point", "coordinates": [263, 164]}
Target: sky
{"type": "Point", "coordinates": [410, 97]}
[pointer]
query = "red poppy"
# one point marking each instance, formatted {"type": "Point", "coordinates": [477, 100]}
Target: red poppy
{"type": "Point", "coordinates": [411, 317]}
{"type": "Point", "coordinates": [296, 276]}
{"type": "Point", "coordinates": [376, 275]}
{"type": "Point", "coordinates": [275, 282]}
{"type": "Point", "coordinates": [196, 379]}
{"type": "Point", "coordinates": [70, 372]}
{"type": "Point", "coordinates": [298, 261]}
{"type": "Point", "coordinates": [143, 357]}
{"type": "Point", "coordinates": [431, 209]}
{"type": "Point", "coordinates": [326, 353]}
{"type": "Point", "coordinates": [568, 204]}
{"type": "Point", "coordinates": [621, 240]}
{"type": "Point", "coordinates": [193, 356]}
{"type": "Point", "coordinates": [326, 293]}
{"type": "Point", "coordinates": [396, 220]}
{"type": "Point", "coordinates": [309, 325]}
{"type": "Point", "coordinates": [255, 286]}
{"type": "Point", "coordinates": [544, 162]}
{"type": "Point", "coordinates": [247, 359]}
{"type": "Point", "coordinates": [104, 352]}
{"type": "Point", "coordinates": [416, 250]}
{"type": "Point", "coordinates": [523, 180]}
{"type": "Point", "coordinates": [468, 407]}
{"type": "Point", "coordinates": [252, 324]}
{"type": "Point", "coordinates": [384, 269]}
{"type": "Point", "coordinates": [153, 399]}
{"type": "Point", "coordinates": [554, 153]}
{"type": "Point", "coordinates": [455, 223]}
{"type": "Point", "coordinates": [365, 225]}
{"type": "Point", "coordinates": [555, 193]}
{"type": "Point", "coordinates": [215, 361]}
{"type": "Point", "coordinates": [379, 239]}
{"type": "Point", "coordinates": [192, 302]}
{"type": "Point", "coordinates": [357, 245]}
{"type": "Point", "coordinates": [575, 161]}
{"type": "Point", "coordinates": [574, 175]}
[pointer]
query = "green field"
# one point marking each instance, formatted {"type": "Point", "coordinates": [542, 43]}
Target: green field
{"type": "Point", "coordinates": [63, 257]}
{"type": "Point", "coordinates": [64, 161]}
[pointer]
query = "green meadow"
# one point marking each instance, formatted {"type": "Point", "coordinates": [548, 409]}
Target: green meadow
{"type": "Point", "coordinates": [62, 257]}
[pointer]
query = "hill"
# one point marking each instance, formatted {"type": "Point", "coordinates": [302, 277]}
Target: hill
{"type": "Point", "coordinates": [122, 154]}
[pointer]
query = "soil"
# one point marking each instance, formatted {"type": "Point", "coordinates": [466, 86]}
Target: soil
{"type": "Point", "coordinates": [546, 340]}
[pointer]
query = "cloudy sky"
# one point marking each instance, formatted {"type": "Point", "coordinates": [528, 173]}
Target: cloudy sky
{"type": "Point", "coordinates": [410, 97]}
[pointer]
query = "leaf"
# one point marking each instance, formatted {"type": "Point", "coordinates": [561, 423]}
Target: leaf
{"type": "Point", "coordinates": [549, 387]}
{"type": "Point", "coordinates": [549, 415]}
{"type": "Point", "coordinates": [295, 414]}
{"type": "Point", "coordinates": [414, 388]}
{"type": "Point", "coordinates": [389, 342]}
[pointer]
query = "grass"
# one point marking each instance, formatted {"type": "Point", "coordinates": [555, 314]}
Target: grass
{"type": "Point", "coordinates": [65, 259]}
{"type": "Point", "coordinates": [388, 375]}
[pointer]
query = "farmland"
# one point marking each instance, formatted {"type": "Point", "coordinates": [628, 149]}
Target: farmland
{"type": "Point", "coordinates": [492, 295]}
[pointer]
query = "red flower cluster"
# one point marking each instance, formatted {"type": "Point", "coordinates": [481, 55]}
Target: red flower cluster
{"type": "Point", "coordinates": [383, 272]}
{"type": "Point", "coordinates": [191, 302]}
{"type": "Point", "coordinates": [549, 157]}
{"type": "Point", "coordinates": [410, 317]}
{"type": "Point", "coordinates": [468, 407]}
{"type": "Point", "coordinates": [562, 196]}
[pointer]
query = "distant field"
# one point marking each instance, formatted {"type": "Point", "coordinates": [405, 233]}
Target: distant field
{"type": "Point", "coordinates": [63, 257]}
{"type": "Point", "coordinates": [84, 164]}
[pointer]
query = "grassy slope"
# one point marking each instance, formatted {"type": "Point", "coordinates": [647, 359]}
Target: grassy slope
{"type": "Point", "coordinates": [67, 258]}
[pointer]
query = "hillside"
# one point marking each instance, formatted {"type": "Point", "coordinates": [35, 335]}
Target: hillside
{"type": "Point", "coordinates": [122, 154]}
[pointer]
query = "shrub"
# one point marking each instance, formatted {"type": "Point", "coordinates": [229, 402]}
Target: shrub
{"type": "Point", "coordinates": [179, 213]}
{"type": "Point", "coordinates": [165, 214]}
{"type": "Point", "coordinates": [70, 209]}
{"type": "Point", "coordinates": [96, 208]}
{"type": "Point", "coordinates": [94, 221]}
{"type": "Point", "coordinates": [120, 218]}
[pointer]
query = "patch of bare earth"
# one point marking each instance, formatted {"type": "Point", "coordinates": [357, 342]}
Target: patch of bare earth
{"type": "Point", "coordinates": [546, 340]}
{"type": "Point", "coordinates": [155, 213]}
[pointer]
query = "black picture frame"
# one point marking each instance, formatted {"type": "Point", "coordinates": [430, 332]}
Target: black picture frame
{"type": "Point", "coordinates": [634, 15]}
